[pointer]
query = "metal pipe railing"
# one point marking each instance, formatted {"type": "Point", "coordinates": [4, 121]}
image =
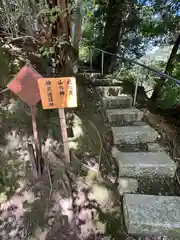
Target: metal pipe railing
{"type": "Point", "coordinates": [102, 63]}
{"type": "Point", "coordinates": [154, 70]}
{"type": "Point", "coordinates": [135, 91]}
{"type": "Point", "coordinates": [151, 69]}
{"type": "Point", "coordinates": [90, 58]}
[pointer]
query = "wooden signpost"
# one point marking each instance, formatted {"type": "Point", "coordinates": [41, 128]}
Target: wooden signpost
{"type": "Point", "coordinates": [55, 93]}
{"type": "Point", "coordinates": [25, 86]}
{"type": "Point", "coordinates": [59, 93]}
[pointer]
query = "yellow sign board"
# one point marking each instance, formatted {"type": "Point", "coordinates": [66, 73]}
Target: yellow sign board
{"type": "Point", "coordinates": [58, 92]}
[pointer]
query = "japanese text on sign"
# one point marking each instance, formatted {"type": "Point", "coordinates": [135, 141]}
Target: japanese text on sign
{"type": "Point", "coordinates": [61, 87]}
{"type": "Point", "coordinates": [49, 93]}
{"type": "Point", "coordinates": [58, 92]}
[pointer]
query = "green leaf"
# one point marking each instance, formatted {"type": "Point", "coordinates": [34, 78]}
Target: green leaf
{"type": "Point", "coordinates": [90, 14]}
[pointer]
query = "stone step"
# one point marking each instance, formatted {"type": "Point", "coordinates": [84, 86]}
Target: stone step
{"type": "Point", "coordinates": [110, 91]}
{"type": "Point", "coordinates": [133, 134]}
{"type": "Point", "coordinates": [124, 116]}
{"type": "Point", "coordinates": [122, 101]}
{"type": "Point", "coordinates": [150, 215]}
{"type": "Point", "coordinates": [106, 82]}
{"type": "Point", "coordinates": [145, 164]}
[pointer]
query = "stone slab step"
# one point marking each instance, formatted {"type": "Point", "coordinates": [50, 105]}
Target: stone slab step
{"type": "Point", "coordinates": [121, 116]}
{"type": "Point", "coordinates": [110, 91]}
{"type": "Point", "coordinates": [133, 134]}
{"type": "Point", "coordinates": [122, 101]}
{"type": "Point", "coordinates": [145, 164]}
{"type": "Point", "coordinates": [150, 215]}
{"type": "Point", "coordinates": [105, 82]}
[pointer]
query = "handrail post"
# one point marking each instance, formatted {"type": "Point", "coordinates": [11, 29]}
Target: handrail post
{"type": "Point", "coordinates": [102, 63]}
{"type": "Point", "coordinates": [135, 92]}
{"type": "Point", "coordinates": [90, 57]}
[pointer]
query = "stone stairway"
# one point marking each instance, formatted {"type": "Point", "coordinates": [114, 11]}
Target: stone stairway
{"type": "Point", "coordinates": [139, 156]}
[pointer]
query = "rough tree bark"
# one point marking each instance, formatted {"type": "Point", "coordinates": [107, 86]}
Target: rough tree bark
{"type": "Point", "coordinates": [76, 33]}
{"type": "Point", "coordinates": [115, 12]}
{"type": "Point", "coordinates": [61, 28]}
{"type": "Point", "coordinates": [78, 23]}
{"type": "Point", "coordinates": [169, 69]}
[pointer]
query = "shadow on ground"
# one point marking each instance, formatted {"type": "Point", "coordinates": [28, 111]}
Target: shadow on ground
{"type": "Point", "coordinates": [77, 201]}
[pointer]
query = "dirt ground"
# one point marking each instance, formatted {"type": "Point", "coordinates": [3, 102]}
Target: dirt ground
{"type": "Point", "coordinates": [76, 201]}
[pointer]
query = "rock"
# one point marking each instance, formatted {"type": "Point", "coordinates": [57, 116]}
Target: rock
{"type": "Point", "coordinates": [127, 185]}
{"type": "Point", "coordinates": [13, 141]}
{"type": "Point", "coordinates": [152, 215]}
{"type": "Point", "coordinates": [101, 194]}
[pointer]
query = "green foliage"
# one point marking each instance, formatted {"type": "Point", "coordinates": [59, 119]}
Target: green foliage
{"type": "Point", "coordinates": [46, 51]}
{"type": "Point", "coordinates": [10, 173]}
{"type": "Point", "coordinates": [84, 53]}
{"type": "Point", "coordinates": [170, 95]}
{"type": "Point", "coordinates": [160, 21]}
{"type": "Point", "coordinates": [175, 233]}
{"type": "Point", "coordinates": [176, 71]}
{"type": "Point", "coordinates": [20, 121]}
{"type": "Point", "coordinates": [94, 21]}
{"type": "Point", "coordinates": [3, 127]}
{"type": "Point", "coordinates": [4, 68]}
{"type": "Point", "coordinates": [50, 16]}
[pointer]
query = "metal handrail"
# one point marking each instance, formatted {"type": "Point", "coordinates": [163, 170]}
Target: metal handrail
{"type": "Point", "coordinates": [153, 70]}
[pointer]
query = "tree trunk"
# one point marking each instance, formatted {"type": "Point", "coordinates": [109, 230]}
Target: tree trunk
{"type": "Point", "coordinates": [77, 30]}
{"type": "Point", "coordinates": [113, 26]}
{"type": "Point", "coordinates": [61, 28]}
{"type": "Point", "coordinates": [169, 69]}
{"type": "Point", "coordinates": [76, 34]}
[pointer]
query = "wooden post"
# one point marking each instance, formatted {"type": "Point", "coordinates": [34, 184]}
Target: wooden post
{"type": "Point", "coordinates": [90, 57]}
{"type": "Point", "coordinates": [64, 133]}
{"type": "Point", "coordinates": [135, 92]}
{"type": "Point", "coordinates": [102, 63]}
{"type": "Point", "coordinates": [36, 140]}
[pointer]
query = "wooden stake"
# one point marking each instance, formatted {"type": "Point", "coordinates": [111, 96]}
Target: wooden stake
{"type": "Point", "coordinates": [36, 140]}
{"type": "Point", "coordinates": [64, 133]}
